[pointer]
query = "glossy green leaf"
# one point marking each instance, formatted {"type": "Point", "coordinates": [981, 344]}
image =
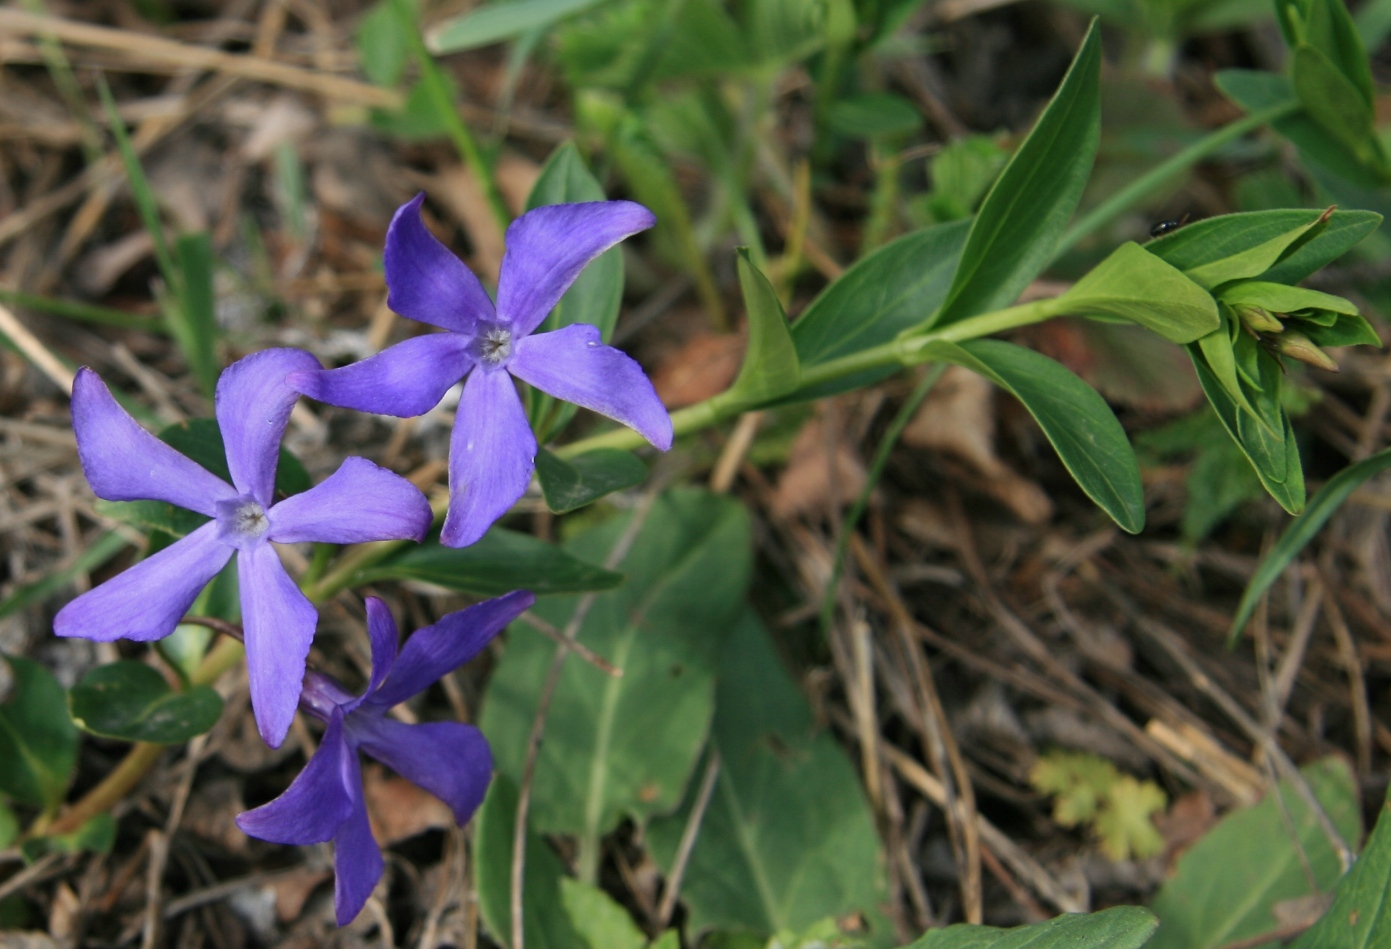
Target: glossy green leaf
{"type": "Point", "coordinates": [132, 701]}
{"type": "Point", "coordinates": [788, 837]}
{"type": "Point", "coordinates": [1279, 298]}
{"type": "Point", "coordinates": [1274, 455]}
{"type": "Point", "coordinates": [1121, 927]}
{"type": "Point", "coordinates": [770, 369]}
{"type": "Point", "coordinates": [545, 924]}
{"type": "Point", "coordinates": [96, 835]}
{"type": "Point", "coordinates": [598, 919]}
{"type": "Point", "coordinates": [500, 562]}
{"type": "Point", "coordinates": [893, 289]}
{"type": "Point", "coordinates": [1215, 238]}
{"type": "Point", "coordinates": [103, 549]}
{"type": "Point", "coordinates": [500, 21]}
{"type": "Point", "coordinates": [1013, 235]}
{"type": "Point", "coordinates": [1348, 330]}
{"type": "Point", "coordinates": [1360, 917]}
{"type": "Point", "coordinates": [1303, 529]}
{"type": "Point", "coordinates": [570, 483]}
{"type": "Point", "coordinates": [196, 328]}
{"type": "Point", "coordinates": [1225, 885]}
{"type": "Point", "coordinates": [1077, 421]}
{"type": "Point", "coordinates": [38, 742]}
{"type": "Point", "coordinates": [1134, 285]}
{"type": "Point", "coordinates": [1253, 261]}
{"type": "Point", "coordinates": [625, 746]}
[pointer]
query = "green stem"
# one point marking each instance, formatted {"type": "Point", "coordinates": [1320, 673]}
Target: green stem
{"type": "Point", "coordinates": [1118, 203]}
{"type": "Point", "coordinates": [443, 106]}
{"type": "Point", "coordinates": [876, 470]}
{"type": "Point", "coordinates": [905, 351]}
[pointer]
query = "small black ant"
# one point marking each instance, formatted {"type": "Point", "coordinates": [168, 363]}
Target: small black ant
{"type": "Point", "coordinates": [1168, 227]}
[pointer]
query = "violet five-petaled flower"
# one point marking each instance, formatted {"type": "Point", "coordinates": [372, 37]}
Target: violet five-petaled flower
{"type": "Point", "coordinates": [123, 462]}
{"type": "Point", "coordinates": [448, 759]}
{"type": "Point", "coordinates": [492, 450]}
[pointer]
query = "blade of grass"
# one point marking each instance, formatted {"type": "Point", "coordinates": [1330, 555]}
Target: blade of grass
{"type": "Point", "coordinates": [105, 547]}
{"type": "Point", "coordinates": [85, 312]}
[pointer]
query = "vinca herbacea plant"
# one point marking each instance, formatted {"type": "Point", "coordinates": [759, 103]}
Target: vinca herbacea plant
{"type": "Point", "coordinates": [655, 717]}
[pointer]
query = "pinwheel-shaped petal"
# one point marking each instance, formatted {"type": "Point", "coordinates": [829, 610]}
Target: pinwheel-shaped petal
{"type": "Point", "coordinates": [450, 760]}
{"type": "Point", "coordinates": [123, 462]}
{"type": "Point", "coordinates": [492, 452]}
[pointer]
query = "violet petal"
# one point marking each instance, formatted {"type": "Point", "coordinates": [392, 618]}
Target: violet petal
{"type": "Point", "coordinates": [450, 760]}
{"type": "Point", "coordinates": [381, 630]}
{"type": "Point", "coordinates": [278, 621]}
{"type": "Point", "coordinates": [573, 364]}
{"type": "Point", "coordinates": [435, 651]}
{"type": "Point", "coordinates": [123, 462]}
{"type": "Point", "coordinates": [425, 281]}
{"type": "Point", "coordinates": [491, 455]}
{"type": "Point", "coordinates": [316, 802]}
{"type": "Point", "coordinates": [357, 860]}
{"type": "Point", "coordinates": [403, 380]}
{"type": "Point", "coordinates": [359, 502]}
{"type": "Point", "coordinates": [147, 600]}
{"type": "Point", "coordinates": [252, 405]}
{"type": "Point", "coordinates": [549, 246]}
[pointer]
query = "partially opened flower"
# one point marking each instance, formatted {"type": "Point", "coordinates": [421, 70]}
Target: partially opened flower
{"type": "Point", "coordinates": [448, 759]}
{"type": "Point", "coordinates": [358, 502]}
{"type": "Point", "coordinates": [492, 450]}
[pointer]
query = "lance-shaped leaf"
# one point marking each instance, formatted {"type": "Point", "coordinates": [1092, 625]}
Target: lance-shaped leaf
{"type": "Point", "coordinates": [1134, 285]}
{"type": "Point", "coordinates": [500, 21]}
{"type": "Point", "coordinates": [1225, 885]}
{"type": "Point", "coordinates": [500, 562]}
{"type": "Point", "coordinates": [1350, 329]}
{"type": "Point", "coordinates": [1018, 225]}
{"type": "Point", "coordinates": [1279, 298]}
{"type": "Point", "coordinates": [1121, 927]}
{"type": "Point", "coordinates": [893, 289]}
{"type": "Point", "coordinates": [1331, 99]}
{"type": "Point", "coordinates": [132, 701]}
{"type": "Point", "coordinates": [788, 836]}
{"type": "Point", "coordinates": [1256, 260]}
{"type": "Point", "coordinates": [1297, 535]}
{"type": "Point", "coordinates": [38, 742]}
{"type": "Point", "coordinates": [771, 369]}
{"type": "Point", "coordinates": [1077, 421]}
{"type": "Point", "coordinates": [625, 746]}
{"type": "Point", "coordinates": [574, 482]}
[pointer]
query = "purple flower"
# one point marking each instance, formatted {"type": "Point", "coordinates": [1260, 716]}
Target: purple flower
{"type": "Point", "coordinates": [450, 760]}
{"type": "Point", "coordinates": [492, 451]}
{"type": "Point", "coordinates": [358, 502]}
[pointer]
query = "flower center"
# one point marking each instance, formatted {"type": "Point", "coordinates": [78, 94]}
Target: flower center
{"type": "Point", "coordinates": [493, 344]}
{"type": "Point", "coordinates": [241, 521]}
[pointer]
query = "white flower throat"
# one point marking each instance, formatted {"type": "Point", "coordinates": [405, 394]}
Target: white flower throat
{"type": "Point", "coordinates": [242, 520]}
{"type": "Point", "coordinates": [494, 344]}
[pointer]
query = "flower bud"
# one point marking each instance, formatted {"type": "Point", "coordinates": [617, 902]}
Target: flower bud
{"type": "Point", "coordinates": [1298, 346]}
{"type": "Point", "coordinates": [1257, 319]}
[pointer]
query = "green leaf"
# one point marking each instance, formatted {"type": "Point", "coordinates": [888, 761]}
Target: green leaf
{"type": "Point", "coordinates": [1078, 422]}
{"type": "Point", "coordinates": [1297, 535]}
{"type": "Point", "coordinates": [1224, 886]}
{"type": "Point", "coordinates": [1253, 261]}
{"type": "Point", "coordinates": [502, 561]}
{"type": "Point", "coordinates": [1134, 285]}
{"type": "Point", "coordinates": [500, 21]}
{"type": "Point", "coordinates": [625, 746]}
{"type": "Point", "coordinates": [598, 919]}
{"type": "Point", "coordinates": [770, 369]}
{"type": "Point", "coordinates": [103, 549]}
{"type": "Point", "coordinates": [788, 837]}
{"type": "Point", "coordinates": [1348, 330]}
{"type": "Point", "coordinates": [1125, 825]}
{"type": "Point", "coordinates": [38, 742]}
{"type": "Point", "coordinates": [9, 825]}
{"type": "Point", "coordinates": [1013, 235]}
{"type": "Point", "coordinates": [195, 329]}
{"type": "Point", "coordinates": [572, 483]}
{"type": "Point", "coordinates": [132, 701]}
{"type": "Point", "coordinates": [1121, 927]}
{"type": "Point", "coordinates": [1274, 455]}
{"type": "Point", "coordinates": [891, 290]}
{"type": "Point", "coordinates": [874, 115]}
{"type": "Point", "coordinates": [545, 924]}
{"type": "Point", "coordinates": [1358, 918]}
{"type": "Point", "coordinates": [382, 44]}
{"type": "Point", "coordinates": [96, 835]}
{"type": "Point", "coordinates": [1337, 105]}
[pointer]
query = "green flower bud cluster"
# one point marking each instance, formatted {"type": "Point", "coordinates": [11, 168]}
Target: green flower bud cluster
{"type": "Point", "coordinates": [1292, 321]}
